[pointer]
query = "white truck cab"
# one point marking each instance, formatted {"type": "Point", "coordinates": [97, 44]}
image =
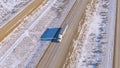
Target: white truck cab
{"type": "Point", "coordinates": [62, 32]}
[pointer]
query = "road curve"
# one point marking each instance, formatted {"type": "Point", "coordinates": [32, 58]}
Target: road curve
{"type": "Point", "coordinates": [116, 63]}
{"type": "Point", "coordinates": [12, 24]}
{"type": "Point", "coordinates": [56, 53]}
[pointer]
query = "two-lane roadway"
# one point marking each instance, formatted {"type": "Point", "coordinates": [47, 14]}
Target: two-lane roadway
{"type": "Point", "coordinates": [56, 53]}
{"type": "Point", "coordinates": [12, 24]}
{"type": "Point", "coordinates": [116, 63]}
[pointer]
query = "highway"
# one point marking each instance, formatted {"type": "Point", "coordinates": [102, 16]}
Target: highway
{"type": "Point", "coordinates": [12, 24]}
{"type": "Point", "coordinates": [56, 53]}
{"type": "Point", "coordinates": [116, 63]}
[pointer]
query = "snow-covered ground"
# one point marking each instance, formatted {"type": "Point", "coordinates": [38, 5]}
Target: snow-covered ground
{"type": "Point", "coordinates": [94, 45]}
{"type": "Point", "coordinates": [23, 48]}
{"type": "Point", "coordinates": [10, 8]}
{"type": "Point", "coordinates": [92, 48]}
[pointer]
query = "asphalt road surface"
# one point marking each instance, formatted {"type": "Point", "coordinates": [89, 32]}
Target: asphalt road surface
{"type": "Point", "coordinates": [12, 24]}
{"type": "Point", "coordinates": [116, 63]}
{"type": "Point", "coordinates": [56, 53]}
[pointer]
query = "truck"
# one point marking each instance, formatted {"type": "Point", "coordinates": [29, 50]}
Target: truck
{"type": "Point", "coordinates": [62, 32]}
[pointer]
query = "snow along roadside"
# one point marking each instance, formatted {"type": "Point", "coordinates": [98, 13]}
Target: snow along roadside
{"type": "Point", "coordinates": [63, 8]}
{"type": "Point", "coordinates": [23, 35]}
{"type": "Point", "coordinates": [94, 45]}
{"type": "Point", "coordinates": [10, 17]}
{"type": "Point", "coordinates": [34, 35]}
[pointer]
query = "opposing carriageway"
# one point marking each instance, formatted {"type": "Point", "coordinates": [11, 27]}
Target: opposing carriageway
{"type": "Point", "coordinates": [116, 63]}
{"type": "Point", "coordinates": [12, 24]}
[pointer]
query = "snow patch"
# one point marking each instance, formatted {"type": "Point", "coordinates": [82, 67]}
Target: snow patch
{"type": "Point", "coordinates": [92, 48]}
